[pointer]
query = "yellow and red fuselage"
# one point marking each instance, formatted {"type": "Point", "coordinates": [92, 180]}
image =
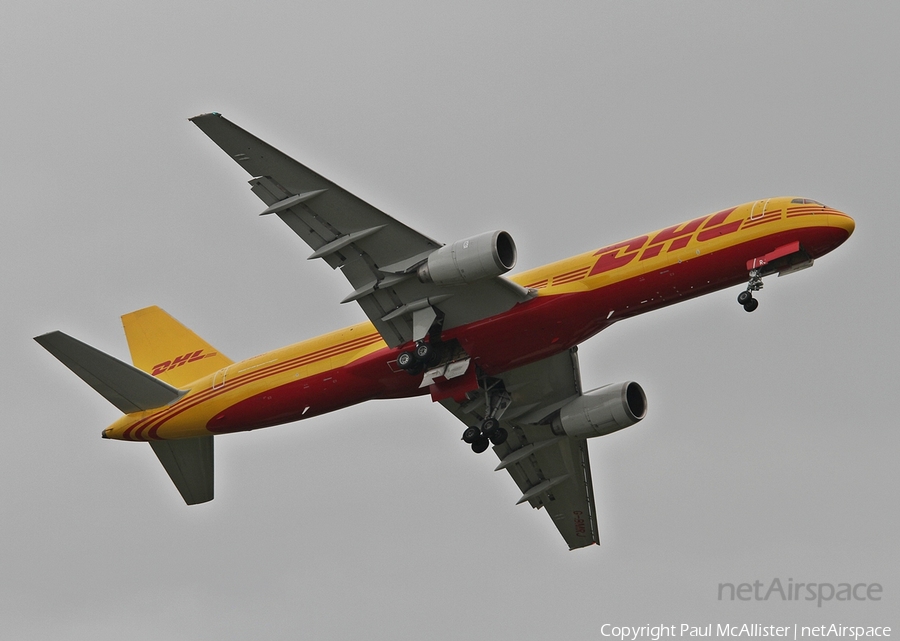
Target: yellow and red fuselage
{"type": "Point", "coordinates": [576, 298]}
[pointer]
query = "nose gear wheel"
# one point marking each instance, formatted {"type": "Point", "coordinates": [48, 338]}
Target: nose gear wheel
{"type": "Point", "coordinates": [745, 298]}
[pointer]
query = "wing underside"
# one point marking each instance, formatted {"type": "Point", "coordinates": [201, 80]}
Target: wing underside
{"type": "Point", "coordinates": [553, 472]}
{"type": "Point", "coordinates": [376, 253]}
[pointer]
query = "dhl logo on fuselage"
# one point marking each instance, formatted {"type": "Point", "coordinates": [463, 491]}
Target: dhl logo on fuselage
{"type": "Point", "coordinates": [178, 361]}
{"type": "Point", "coordinates": [632, 252]}
{"type": "Point", "coordinates": [703, 229]}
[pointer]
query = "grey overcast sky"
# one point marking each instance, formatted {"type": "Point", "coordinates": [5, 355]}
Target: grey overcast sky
{"type": "Point", "coordinates": [771, 446]}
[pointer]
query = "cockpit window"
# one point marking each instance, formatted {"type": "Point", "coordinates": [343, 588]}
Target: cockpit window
{"type": "Point", "coordinates": [807, 201]}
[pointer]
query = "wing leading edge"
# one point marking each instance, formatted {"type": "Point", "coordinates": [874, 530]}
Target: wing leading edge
{"type": "Point", "coordinates": [553, 472]}
{"type": "Point", "coordinates": [376, 253]}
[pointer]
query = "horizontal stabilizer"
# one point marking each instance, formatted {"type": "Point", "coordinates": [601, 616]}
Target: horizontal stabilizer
{"type": "Point", "coordinates": [189, 463]}
{"type": "Point", "coordinates": [126, 387]}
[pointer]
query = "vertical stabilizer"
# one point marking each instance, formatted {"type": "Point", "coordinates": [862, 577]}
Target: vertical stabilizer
{"type": "Point", "coordinates": [167, 349]}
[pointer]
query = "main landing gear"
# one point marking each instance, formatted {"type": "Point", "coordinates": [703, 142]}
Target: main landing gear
{"type": "Point", "coordinates": [745, 298]}
{"type": "Point", "coordinates": [421, 356]}
{"type": "Point", "coordinates": [497, 400]}
{"type": "Point", "coordinates": [489, 432]}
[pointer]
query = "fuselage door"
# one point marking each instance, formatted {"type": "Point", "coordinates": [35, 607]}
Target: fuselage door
{"type": "Point", "coordinates": [219, 378]}
{"type": "Point", "coordinates": [759, 209]}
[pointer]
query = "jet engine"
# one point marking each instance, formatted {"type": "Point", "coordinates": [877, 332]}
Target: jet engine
{"type": "Point", "coordinates": [466, 261]}
{"type": "Point", "coordinates": [602, 411]}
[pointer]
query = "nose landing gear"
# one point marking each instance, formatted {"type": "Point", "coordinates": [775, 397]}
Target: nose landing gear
{"type": "Point", "coordinates": [745, 298]}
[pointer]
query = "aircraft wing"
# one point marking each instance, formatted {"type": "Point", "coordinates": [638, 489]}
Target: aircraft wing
{"type": "Point", "coordinates": [377, 254]}
{"type": "Point", "coordinates": [553, 472]}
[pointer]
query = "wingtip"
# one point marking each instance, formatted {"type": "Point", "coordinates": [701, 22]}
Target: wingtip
{"type": "Point", "coordinates": [206, 115]}
{"type": "Point", "coordinates": [43, 337]}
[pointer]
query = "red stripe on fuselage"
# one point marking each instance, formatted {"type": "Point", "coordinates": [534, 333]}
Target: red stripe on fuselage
{"type": "Point", "coordinates": [155, 421]}
{"type": "Point", "coordinates": [769, 217]}
{"type": "Point", "coordinates": [569, 277]}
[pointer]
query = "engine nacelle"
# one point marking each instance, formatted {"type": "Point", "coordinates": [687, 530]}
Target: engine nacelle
{"type": "Point", "coordinates": [466, 261]}
{"type": "Point", "coordinates": [602, 411]}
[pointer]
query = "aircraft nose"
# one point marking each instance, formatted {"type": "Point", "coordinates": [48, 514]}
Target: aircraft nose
{"type": "Point", "coordinates": [842, 221]}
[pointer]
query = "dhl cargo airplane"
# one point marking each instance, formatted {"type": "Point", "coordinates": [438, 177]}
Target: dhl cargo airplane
{"type": "Point", "coordinates": [499, 353]}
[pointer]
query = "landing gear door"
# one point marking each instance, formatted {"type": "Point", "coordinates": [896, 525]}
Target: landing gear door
{"type": "Point", "coordinates": [784, 260]}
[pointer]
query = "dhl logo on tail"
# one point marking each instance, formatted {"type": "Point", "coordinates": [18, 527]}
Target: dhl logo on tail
{"type": "Point", "coordinates": [178, 361]}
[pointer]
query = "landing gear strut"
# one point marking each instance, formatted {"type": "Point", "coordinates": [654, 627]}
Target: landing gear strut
{"type": "Point", "coordinates": [745, 298]}
{"type": "Point", "coordinates": [496, 400]}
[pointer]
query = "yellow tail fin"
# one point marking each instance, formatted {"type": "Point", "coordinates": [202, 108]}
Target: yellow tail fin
{"type": "Point", "coordinates": [167, 349]}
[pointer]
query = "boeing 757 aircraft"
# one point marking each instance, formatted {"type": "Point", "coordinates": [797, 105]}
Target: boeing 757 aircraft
{"type": "Point", "coordinates": [498, 352]}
